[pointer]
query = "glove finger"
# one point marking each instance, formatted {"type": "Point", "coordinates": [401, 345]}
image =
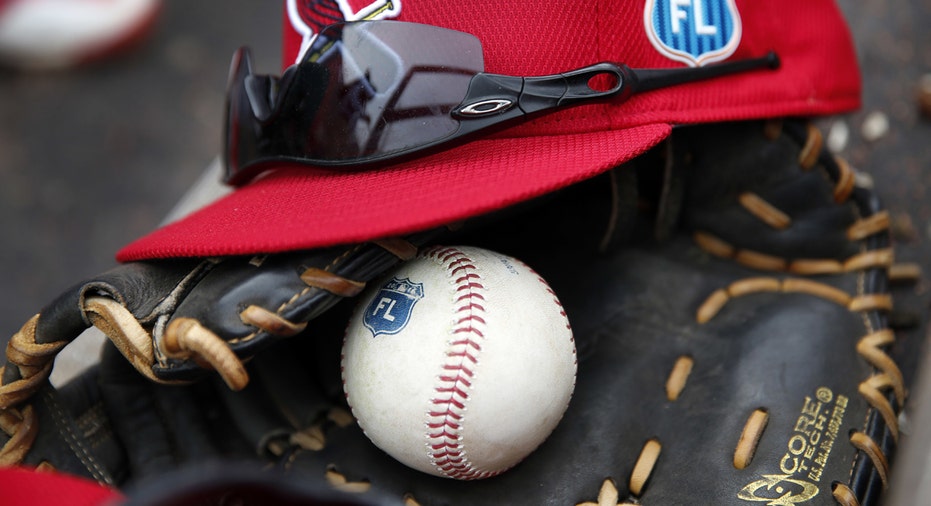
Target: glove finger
{"type": "Point", "coordinates": [285, 403]}
{"type": "Point", "coordinates": [159, 427]}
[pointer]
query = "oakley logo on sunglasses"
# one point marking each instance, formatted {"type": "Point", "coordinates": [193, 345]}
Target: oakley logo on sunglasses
{"type": "Point", "coordinates": [372, 92]}
{"type": "Point", "coordinates": [482, 107]}
{"type": "Point", "coordinates": [309, 17]}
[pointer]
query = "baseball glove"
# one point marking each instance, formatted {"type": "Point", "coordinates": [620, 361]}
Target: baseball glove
{"type": "Point", "coordinates": [729, 294]}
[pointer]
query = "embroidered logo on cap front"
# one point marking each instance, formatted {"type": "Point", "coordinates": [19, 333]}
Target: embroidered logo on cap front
{"type": "Point", "coordinates": [694, 32]}
{"type": "Point", "coordinates": [308, 17]}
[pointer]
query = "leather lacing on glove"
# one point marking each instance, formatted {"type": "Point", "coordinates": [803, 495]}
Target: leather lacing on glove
{"type": "Point", "coordinates": [884, 391]}
{"type": "Point", "coordinates": [149, 343]}
{"type": "Point", "coordinates": [874, 265]}
{"type": "Point", "coordinates": [31, 356]}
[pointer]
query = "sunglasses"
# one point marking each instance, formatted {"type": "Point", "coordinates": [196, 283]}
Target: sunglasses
{"type": "Point", "coordinates": [371, 92]}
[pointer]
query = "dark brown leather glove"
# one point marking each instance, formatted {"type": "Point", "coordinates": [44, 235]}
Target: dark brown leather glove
{"type": "Point", "coordinates": [729, 294]}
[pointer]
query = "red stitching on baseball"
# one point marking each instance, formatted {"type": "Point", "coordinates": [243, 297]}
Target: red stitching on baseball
{"type": "Point", "coordinates": [458, 379]}
{"type": "Point", "coordinates": [448, 400]}
{"type": "Point", "coordinates": [469, 329]}
{"type": "Point", "coordinates": [469, 307]}
{"type": "Point", "coordinates": [456, 368]}
{"type": "Point", "coordinates": [445, 422]}
{"type": "Point", "coordinates": [556, 300]}
{"type": "Point", "coordinates": [453, 390]}
{"type": "Point", "coordinates": [467, 277]}
{"type": "Point", "coordinates": [468, 342]}
{"type": "Point", "coordinates": [461, 266]}
{"type": "Point", "coordinates": [454, 416]}
{"type": "Point", "coordinates": [451, 455]}
{"type": "Point", "coordinates": [462, 354]}
{"type": "Point", "coordinates": [471, 295]}
{"type": "Point", "coordinates": [471, 317]}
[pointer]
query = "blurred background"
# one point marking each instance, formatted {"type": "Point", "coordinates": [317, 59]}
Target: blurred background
{"type": "Point", "coordinates": [94, 157]}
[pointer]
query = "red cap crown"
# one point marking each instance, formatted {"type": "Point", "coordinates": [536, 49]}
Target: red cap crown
{"type": "Point", "coordinates": [295, 207]}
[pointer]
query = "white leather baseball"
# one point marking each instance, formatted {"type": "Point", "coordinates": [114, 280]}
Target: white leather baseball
{"type": "Point", "coordinates": [460, 363]}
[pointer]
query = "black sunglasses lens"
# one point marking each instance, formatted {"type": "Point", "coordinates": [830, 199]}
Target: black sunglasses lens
{"type": "Point", "coordinates": [369, 92]}
{"type": "Point", "coordinates": [386, 87]}
{"type": "Point", "coordinates": [363, 91]}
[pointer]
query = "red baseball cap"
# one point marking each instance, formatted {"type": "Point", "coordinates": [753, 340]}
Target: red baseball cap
{"type": "Point", "coordinates": [293, 206]}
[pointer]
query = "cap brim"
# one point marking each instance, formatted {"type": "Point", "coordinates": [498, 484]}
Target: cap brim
{"type": "Point", "coordinates": [296, 207]}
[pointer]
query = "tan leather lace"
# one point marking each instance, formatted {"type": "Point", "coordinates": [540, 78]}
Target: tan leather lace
{"type": "Point", "coordinates": [183, 338]}
{"type": "Point", "coordinates": [871, 347]}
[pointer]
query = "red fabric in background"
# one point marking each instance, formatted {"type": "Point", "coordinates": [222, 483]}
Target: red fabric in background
{"type": "Point", "coordinates": [26, 487]}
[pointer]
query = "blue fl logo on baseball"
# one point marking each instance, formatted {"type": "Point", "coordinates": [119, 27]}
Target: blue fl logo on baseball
{"type": "Point", "coordinates": [390, 309]}
{"type": "Point", "coordinates": [694, 32]}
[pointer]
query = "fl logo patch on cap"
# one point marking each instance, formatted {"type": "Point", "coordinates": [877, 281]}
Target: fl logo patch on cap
{"type": "Point", "coordinates": [694, 32]}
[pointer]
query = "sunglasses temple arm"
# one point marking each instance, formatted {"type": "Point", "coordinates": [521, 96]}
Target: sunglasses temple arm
{"type": "Point", "coordinates": [495, 99]}
{"type": "Point", "coordinates": [576, 87]}
{"type": "Point", "coordinates": [653, 79]}
{"type": "Point", "coordinates": [509, 97]}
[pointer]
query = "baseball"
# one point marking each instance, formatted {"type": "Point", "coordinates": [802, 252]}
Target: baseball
{"type": "Point", "coordinates": [460, 363]}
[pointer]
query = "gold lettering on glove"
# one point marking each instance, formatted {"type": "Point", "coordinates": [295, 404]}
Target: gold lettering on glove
{"type": "Point", "coordinates": [777, 483]}
{"type": "Point", "coordinates": [807, 452]}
